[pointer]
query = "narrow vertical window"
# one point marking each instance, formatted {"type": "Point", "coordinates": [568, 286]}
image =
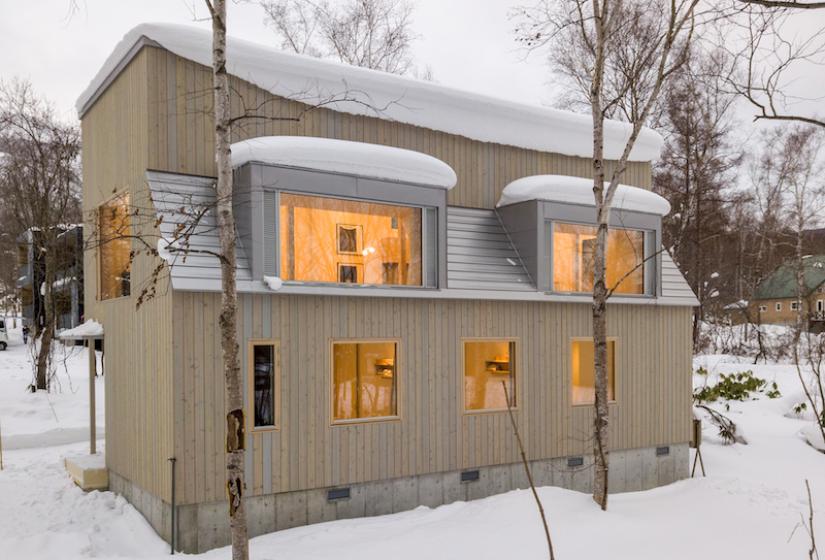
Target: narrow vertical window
{"type": "Point", "coordinates": [114, 248]}
{"type": "Point", "coordinates": [264, 384]}
{"type": "Point", "coordinates": [583, 371]}
{"type": "Point", "coordinates": [489, 367]}
{"type": "Point", "coordinates": [364, 380]}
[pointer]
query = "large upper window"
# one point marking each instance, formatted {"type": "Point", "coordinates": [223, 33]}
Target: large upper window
{"type": "Point", "coordinates": [489, 367]}
{"type": "Point", "coordinates": [574, 248]}
{"type": "Point", "coordinates": [115, 246]}
{"type": "Point", "coordinates": [364, 380]}
{"type": "Point", "coordinates": [351, 242]}
{"type": "Point", "coordinates": [583, 371]}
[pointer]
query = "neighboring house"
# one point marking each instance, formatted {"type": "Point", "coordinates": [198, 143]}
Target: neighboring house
{"type": "Point", "coordinates": [388, 286]}
{"type": "Point", "coordinates": [68, 283]}
{"type": "Point", "coordinates": [736, 313]}
{"type": "Point", "coordinates": [776, 299]}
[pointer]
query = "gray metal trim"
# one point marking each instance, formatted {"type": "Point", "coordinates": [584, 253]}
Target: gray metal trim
{"type": "Point", "coordinates": [254, 286]}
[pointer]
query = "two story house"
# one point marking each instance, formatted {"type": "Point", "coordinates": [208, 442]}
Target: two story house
{"type": "Point", "coordinates": [406, 251]}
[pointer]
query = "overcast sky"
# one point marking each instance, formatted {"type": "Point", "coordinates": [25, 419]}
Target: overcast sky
{"type": "Point", "coordinates": [467, 43]}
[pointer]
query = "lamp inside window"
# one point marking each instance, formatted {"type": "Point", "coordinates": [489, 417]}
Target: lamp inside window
{"type": "Point", "coordinates": [326, 239]}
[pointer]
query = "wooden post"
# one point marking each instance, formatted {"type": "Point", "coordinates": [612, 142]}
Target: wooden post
{"type": "Point", "coordinates": [90, 343]}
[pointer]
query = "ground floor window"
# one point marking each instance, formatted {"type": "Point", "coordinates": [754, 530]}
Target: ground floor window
{"type": "Point", "coordinates": [794, 306]}
{"type": "Point", "coordinates": [583, 371]}
{"type": "Point", "coordinates": [489, 366]}
{"type": "Point", "coordinates": [763, 308]}
{"type": "Point", "coordinates": [364, 380]}
{"type": "Point", "coordinates": [779, 306]}
{"type": "Point", "coordinates": [263, 358]}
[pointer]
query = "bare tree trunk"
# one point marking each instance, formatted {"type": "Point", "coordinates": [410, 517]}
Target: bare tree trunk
{"type": "Point", "coordinates": [600, 420]}
{"type": "Point", "coordinates": [44, 351]}
{"type": "Point", "coordinates": [235, 437]}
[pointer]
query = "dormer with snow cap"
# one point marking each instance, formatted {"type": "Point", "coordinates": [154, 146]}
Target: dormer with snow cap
{"type": "Point", "coordinates": [551, 220]}
{"type": "Point", "coordinates": [333, 213]}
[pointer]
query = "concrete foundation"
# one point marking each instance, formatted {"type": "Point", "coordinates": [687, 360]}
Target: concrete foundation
{"type": "Point", "coordinates": [202, 527]}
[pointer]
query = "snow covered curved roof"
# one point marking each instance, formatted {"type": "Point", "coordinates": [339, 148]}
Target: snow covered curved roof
{"type": "Point", "coordinates": [577, 190]}
{"type": "Point", "coordinates": [402, 99]}
{"type": "Point", "coordinates": [342, 156]}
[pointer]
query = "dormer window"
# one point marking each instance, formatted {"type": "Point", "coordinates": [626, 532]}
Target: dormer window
{"type": "Point", "coordinates": [574, 249]}
{"type": "Point", "coordinates": [335, 240]}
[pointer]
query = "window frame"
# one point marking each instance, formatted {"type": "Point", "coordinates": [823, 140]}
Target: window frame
{"type": "Point", "coordinates": [616, 376]}
{"type": "Point", "coordinates": [794, 306]}
{"type": "Point", "coordinates": [430, 244]}
{"type": "Point", "coordinates": [650, 259]}
{"type": "Point", "coordinates": [98, 255]}
{"type": "Point", "coordinates": [517, 377]}
{"type": "Point", "coordinates": [763, 308]}
{"type": "Point", "coordinates": [250, 382]}
{"type": "Point", "coordinates": [331, 387]}
{"type": "Point", "coordinates": [778, 306]}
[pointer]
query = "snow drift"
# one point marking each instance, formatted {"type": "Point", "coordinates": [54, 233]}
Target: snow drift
{"type": "Point", "coordinates": [362, 91]}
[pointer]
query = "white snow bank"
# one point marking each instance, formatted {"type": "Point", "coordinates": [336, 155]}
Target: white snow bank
{"type": "Point", "coordinates": [813, 435]}
{"type": "Point", "coordinates": [86, 461]}
{"type": "Point", "coordinates": [578, 190]}
{"type": "Point", "coordinates": [343, 156]}
{"type": "Point", "coordinates": [362, 91]}
{"type": "Point", "coordinates": [274, 283]}
{"type": "Point", "coordinates": [90, 328]}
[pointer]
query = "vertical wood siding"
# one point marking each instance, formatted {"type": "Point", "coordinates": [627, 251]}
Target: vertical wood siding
{"type": "Point", "coordinates": [433, 435]}
{"type": "Point", "coordinates": [180, 101]}
{"type": "Point", "coordinates": [164, 390]}
{"type": "Point", "coordinates": [138, 342]}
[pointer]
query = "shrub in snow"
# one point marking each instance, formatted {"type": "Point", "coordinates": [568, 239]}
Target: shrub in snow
{"type": "Point", "coordinates": [736, 387]}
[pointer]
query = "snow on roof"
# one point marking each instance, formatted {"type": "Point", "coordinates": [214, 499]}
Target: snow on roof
{"type": "Point", "coordinates": [736, 305]}
{"type": "Point", "coordinates": [398, 98]}
{"type": "Point", "coordinates": [578, 190]}
{"type": "Point", "coordinates": [89, 329]}
{"type": "Point", "coordinates": [342, 156]}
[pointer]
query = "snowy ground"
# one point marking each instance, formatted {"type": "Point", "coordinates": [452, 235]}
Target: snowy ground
{"type": "Point", "coordinates": [38, 420]}
{"type": "Point", "coordinates": [749, 506]}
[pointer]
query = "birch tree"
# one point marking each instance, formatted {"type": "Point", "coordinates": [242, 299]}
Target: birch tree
{"type": "Point", "coordinates": [772, 57]}
{"type": "Point", "coordinates": [799, 157]}
{"type": "Point", "coordinates": [228, 319]}
{"type": "Point", "coordinates": [620, 55]}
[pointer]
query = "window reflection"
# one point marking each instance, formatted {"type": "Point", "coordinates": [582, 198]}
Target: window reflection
{"type": "Point", "coordinates": [350, 242]}
{"type": "Point", "coordinates": [574, 248]}
{"type": "Point", "coordinates": [486, 365]}
{"type": "Point", "coordinates": [364, 380]}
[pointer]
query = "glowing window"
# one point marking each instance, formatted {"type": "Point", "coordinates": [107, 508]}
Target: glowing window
{"type": "Point", "coordinates": [574, 249]}
{"type": "Point", "coordinates": [114, 246]}
{"type": "Point", "coordinates": [364, 380]}
{"type": "Point", "coordinates": [489, 366]}
{"type": "Point", "coordinates": [584, 377]}
{"type": "Point", "coordinates": [333, 240]}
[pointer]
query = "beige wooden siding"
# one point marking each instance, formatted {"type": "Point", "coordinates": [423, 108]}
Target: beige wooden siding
{"type": "Point", "coordinates": [653, 387]}
{"type": "Point", "coordinates": [137, 342]}
{"type": "Point", "coordinates": [181, 134]}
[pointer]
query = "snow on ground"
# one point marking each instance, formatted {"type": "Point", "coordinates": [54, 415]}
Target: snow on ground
{"type": "Point", "coordinates": [38, 419]}
{"type": "Point", "coordinates": [749, 506]}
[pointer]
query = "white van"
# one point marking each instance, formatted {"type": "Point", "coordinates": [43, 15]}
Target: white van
{"type": "Point", "coordinates": [4, 335]}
